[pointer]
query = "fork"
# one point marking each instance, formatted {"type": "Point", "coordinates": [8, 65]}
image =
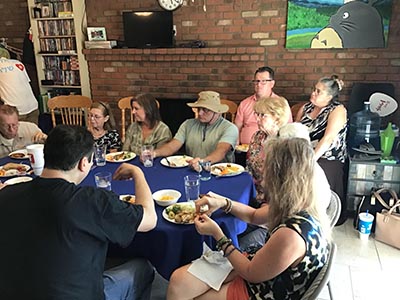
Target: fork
{"type": "Point", "coordinates": [169, 163]}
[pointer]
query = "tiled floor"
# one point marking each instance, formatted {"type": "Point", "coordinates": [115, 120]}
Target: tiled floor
{"type": "Point", "coordinates": [364, 270]}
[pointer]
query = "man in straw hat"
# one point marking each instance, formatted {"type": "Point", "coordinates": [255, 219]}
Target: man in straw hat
{"type": "Point", "coordinates": [208, 137]}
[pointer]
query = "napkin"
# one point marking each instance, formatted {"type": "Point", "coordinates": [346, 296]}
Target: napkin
{"type": "Point", "coordinates": [212, 268]}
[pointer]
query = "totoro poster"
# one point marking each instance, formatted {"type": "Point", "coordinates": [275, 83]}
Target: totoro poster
{"type": "Point", "coordinates": [338, 23]}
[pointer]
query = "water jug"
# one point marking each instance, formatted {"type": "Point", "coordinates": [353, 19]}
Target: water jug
{"type": "Point", "coordinates": [387, 140]}
{"type": "Point", "coordinates": [364, 129]}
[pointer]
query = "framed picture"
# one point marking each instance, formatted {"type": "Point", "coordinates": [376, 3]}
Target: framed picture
{"type": "Point", "coordinates": [97, 34]}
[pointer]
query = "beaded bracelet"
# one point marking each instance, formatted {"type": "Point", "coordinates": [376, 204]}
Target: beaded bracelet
{"type": "Point", "coordinates": [228, 207]}
{"type": "Point", "coordinates": [222, 241]}
{"type": "Point", "coordinates": [230, 252]}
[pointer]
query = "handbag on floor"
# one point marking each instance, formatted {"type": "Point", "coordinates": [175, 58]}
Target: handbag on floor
{"type": "Point", "coordinates": [378, 200]}
{"type": "Point", "coordinates": [388, 226]}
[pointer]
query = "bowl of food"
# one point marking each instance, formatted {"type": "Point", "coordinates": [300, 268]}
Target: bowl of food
{"type": "Point", "coordinates": [166, 197]}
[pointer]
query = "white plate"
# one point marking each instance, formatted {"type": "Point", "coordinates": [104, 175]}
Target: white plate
{"type": "Point", "coordinates": [15, 172]}
{"type": "Point", "coordinates": [165, 215]}
{"type": "Point", "coordinates": [177, 161]}
{"type": "Point", "coordinates": [18, 180]}
{"type": "Point", "coordinates": [19, 154]}
{"type": "Point", "coordinates": [242, 148]}
{"type": "Point", "coordinates": [113, 157]}
{"type": "Point", "coordinates": [231, 168]}
{"type": "Point", "coordinates": [122, 198]}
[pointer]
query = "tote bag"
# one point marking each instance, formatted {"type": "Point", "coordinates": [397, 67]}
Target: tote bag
{"type": "Point", "coordinates": [388, 226]}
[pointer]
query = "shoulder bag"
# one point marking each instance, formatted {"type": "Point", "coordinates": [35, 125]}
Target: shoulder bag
{"type": "Point", "coordinates": [388, 226]}
{"type": "Point", "coordinates": [378, 200]}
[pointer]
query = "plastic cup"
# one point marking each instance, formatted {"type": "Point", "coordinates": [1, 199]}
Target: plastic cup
{"type": "Point", "coordinates": [100, 155]}
{"type": "Point", "coordinates": [205, 170]}
{"type": "Point", "coordinates": [192, 187]}
{"type": "Point", "coordinates": [36, 157]}
{"type": "Point", "coordinates": [103, 180]}
{"type": "Point", "coordinates": [365, 225]}
{"type": "Point", "coordinates": [147, 155]}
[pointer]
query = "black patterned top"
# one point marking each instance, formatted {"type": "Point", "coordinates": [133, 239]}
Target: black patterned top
{"type": "Point", "coordinates": [111, 139]}
{"type": "Point", "coordinates": [317, 127]}
{"type": "Point", "coordinates": [294, 281]}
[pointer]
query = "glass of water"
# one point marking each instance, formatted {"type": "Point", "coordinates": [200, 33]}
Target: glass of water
{"type": "Point", "coordinates": [192, 187]}
{"type": "Point", "coordinates": [147, 155]}
{"type": "Point", "coordinates": [205, 170]}
{"type": "Point", "coordinates": [103, 180]}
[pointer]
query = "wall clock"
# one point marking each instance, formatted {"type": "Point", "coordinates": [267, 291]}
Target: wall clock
{"type": "Point", "coordinates": [170, 4]}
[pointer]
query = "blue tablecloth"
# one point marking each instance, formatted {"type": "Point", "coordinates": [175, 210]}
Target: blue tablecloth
{"type": "Point", "coordinates": [169, 245]}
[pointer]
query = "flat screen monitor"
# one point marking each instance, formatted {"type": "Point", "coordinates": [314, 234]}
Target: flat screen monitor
{"type": "Point", "coordinates": [148, 29]}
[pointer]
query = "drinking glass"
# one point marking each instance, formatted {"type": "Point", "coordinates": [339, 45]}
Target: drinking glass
{"type": "Point", "coordinates": [103, 180]}
{"type": "Point", "coordinates": [192, 187]}
{"type": "Point", "coordinates": [100, 155]}
{"type": "Point", "coordinates": [147, 155]}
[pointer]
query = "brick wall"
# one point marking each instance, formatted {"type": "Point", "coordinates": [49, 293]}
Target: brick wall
{"type": "Point", "coordinates": [14, 21]}
{"type": "Point", "coordinates": [241, 35]}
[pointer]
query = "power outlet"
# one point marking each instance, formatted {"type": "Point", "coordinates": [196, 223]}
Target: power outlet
{"type": "Point", "coordinates": [174, 29]}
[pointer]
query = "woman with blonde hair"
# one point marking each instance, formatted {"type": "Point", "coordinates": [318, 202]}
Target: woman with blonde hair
{"type": "Point", "coordinates": [102, 126]}
{"type": "Point", "coordinates": [296, 247]}
{"type": "Point", "coordinates": [271, 114]}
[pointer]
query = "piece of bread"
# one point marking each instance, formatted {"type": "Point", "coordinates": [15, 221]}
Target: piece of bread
{"type": "Point", "coordinates": [12, 166]}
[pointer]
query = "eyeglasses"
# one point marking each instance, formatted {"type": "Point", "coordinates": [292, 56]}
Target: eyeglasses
{"type": "Point", "coordinates": [262, 82]}
{"type": "Point", "coordinates": [317, 91]}
{"type": "Point", "coordinates": [95, 116]}
{"type": "Point", "coordinates": [260, 115]}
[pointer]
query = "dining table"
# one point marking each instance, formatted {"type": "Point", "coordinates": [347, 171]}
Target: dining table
{"type": "Point", "coordinates": [170, 245]}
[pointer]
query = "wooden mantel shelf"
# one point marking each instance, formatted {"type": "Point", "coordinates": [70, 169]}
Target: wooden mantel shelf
{"type": "Point", "coordinates": [177, 54]}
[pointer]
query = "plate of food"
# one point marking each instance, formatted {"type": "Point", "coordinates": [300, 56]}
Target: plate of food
{"type": "Point", "coordinates": [226, 169]}
{"type": "Point", "coordinates": [16, 180]}
{"type": "Point", "coordinates": [19, 154]}
{"type": "Point", "coordinates": [180, 213]}
{"type": "Point", "coordinates": [242, 148]}
{"type": "Point", "coordinates": [177, 161]}
{"type": "Point", "coordinates": [128, 198]}
{"type": "Point", "coordinates": [13, 169]}
{"type": "Point", "coordinates": [120, 156]}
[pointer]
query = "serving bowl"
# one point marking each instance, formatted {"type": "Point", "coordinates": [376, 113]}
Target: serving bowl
{"type": "Point", "coordinates": [166, 197]}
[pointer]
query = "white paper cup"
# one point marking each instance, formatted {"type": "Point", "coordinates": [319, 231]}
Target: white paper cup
{"type": "Point", "coordinates": [365, 225]}
{"type": "Point", "coordinates": [36, 157]}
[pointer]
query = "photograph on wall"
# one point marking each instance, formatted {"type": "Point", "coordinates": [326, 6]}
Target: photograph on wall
{"type": "Point", "coordinates": [322, 24]}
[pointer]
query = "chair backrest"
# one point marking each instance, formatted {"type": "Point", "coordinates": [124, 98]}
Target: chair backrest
{"type": "Point", "coordinates": [74, 109]}
{"type": "Point", "coordinates": [231, 111]}
{"type": "Point", "coordinates": [124, 105]}
{"type": "Point", "coordinates": [295, 108]}
{"type": "Point", "coordinates": [322, 278]}
{"type": "Point", "coordinates": [334, 208]}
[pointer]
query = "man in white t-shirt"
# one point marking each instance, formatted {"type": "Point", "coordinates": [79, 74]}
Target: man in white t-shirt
{"type": "Point", "coordinates": [15, 89]}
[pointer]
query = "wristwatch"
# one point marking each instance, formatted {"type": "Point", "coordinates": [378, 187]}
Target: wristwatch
{"type": "Point", "coordinates": [170, 4]}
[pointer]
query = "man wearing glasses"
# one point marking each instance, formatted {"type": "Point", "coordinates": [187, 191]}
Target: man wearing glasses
{"type": "Point", "coordinates": [245, 119]}
{"type": "Point", "coordinates": [208, 137]}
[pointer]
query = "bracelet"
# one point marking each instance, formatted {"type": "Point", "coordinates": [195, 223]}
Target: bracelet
{"type": "Point", "coordinates": [230, 252]}
{"type": "Point", "coordinates": [228, 207]}
{"type": "Point", "coordinates": [222, 241]}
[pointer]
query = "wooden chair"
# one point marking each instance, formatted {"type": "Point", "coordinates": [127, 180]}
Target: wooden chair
{"type": "Point", "coordinates": [74, 109]}
{"type": "Point", "coordinates": [232, 109]}
{"type": "Point", "coordinates": [124, 105]}
{"type": "Point", "coordinates": [295, 108]}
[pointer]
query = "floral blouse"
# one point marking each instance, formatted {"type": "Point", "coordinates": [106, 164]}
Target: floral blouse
{"type": "Point", "coordinates": [134, 137]}
{"type": "Point", "coordinates": [111, 139]}
{"type": "Point", "coordinates": [255, 162]}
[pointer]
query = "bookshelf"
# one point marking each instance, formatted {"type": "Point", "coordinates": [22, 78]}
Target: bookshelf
{"type": "Point", "coordinates": [58, 39]}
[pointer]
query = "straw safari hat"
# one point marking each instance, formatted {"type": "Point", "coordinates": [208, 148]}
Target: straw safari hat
{"type": "Point", "coordinates": [211, 101]}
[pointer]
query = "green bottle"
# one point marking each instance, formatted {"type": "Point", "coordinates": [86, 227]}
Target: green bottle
{"type": "Point", "coordinates": [387, 140]}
